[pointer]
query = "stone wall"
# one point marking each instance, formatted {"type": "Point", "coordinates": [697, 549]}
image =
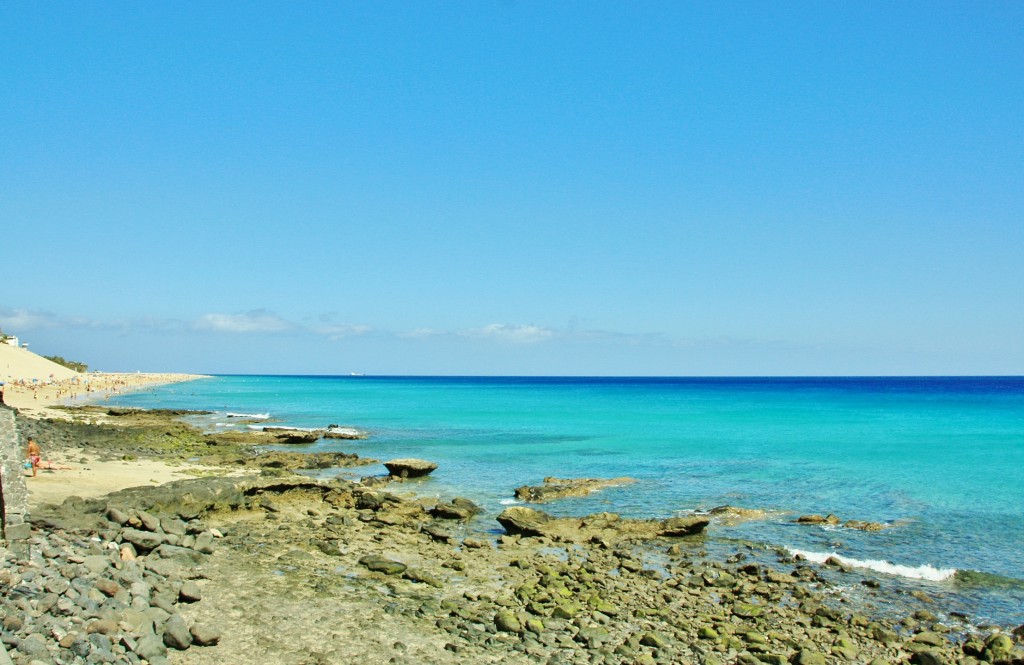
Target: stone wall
{"type": "Point", "coordinates": [13, 491]}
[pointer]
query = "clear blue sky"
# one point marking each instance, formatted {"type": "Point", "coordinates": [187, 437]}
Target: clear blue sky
{"type": "Point", "coordinates": [507, 187]}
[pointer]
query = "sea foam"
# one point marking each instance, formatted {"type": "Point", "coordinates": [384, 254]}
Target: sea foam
{"type": "Point", "coordinates": [250, 416]}
{"type": "Point", "coordinates": [922, 572]}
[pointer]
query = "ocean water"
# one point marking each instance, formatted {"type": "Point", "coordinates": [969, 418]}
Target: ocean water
{"type": "Point", "coordinates": [940, 461]}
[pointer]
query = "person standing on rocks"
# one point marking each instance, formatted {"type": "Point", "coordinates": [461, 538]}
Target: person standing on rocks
{"type": "Point", "coordinates": [34, 455]}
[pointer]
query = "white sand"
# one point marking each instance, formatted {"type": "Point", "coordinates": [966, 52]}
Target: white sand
{"type": "Point", "coordinates": [21, 364]}
{"type": "Point", "coordinates": [32, 384]}
{"type": "Point", "coordinates": [92, 478]}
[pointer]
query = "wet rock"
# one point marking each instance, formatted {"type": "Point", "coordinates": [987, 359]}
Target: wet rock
{"type": "Point", "coordinates": [808, 657]}
{"type": "Point", "coordinates": [436, 533]}
{"type": "Point", "coordinates": [458, 509]}
{"type": "Point", "coordinates": [683, 526]}
{"type": "Point", "coordinates": [519, 520]}
{"type": "Point", "coordinates": [345, 433]}
{"type": "Point", "coordinates": [818, 519]}
{"type": "Point", "coordinates": [931, 639]}
{"type": "Point", "coordinates": [928, 657]}
{"type": "Point", "coordinates": [507, 621]}
{"type": "Point", "coordinates": [422, 576]}
{"type": "Point", "coordinates": [383, 565]}
{"type": "Point", "coordinates": [293, 436]}
{"type": "Point", "coordinates": [863, 526]}
{"type": "Point", "coordinates": [732, 515]}
{"type": "Point", "coordinates": [557, 488]}
{"type": "Point", "coordinates": [652, 639]}
{"type": "Point", "coordinates": [998, 647]}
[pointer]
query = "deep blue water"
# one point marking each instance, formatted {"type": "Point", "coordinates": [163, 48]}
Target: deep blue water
{"type": "Point", "coordinates": [940, 459]}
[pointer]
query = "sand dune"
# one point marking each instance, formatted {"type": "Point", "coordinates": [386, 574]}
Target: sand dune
{"type": "Point", "coordinates": [17, 364]}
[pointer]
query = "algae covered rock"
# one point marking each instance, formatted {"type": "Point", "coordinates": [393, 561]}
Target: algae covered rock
{"type": "Point", "coordinates": [384, 565]}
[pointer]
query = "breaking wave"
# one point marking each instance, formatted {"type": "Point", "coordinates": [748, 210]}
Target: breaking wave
{"type": "Point", "coordinates": [922, 572]}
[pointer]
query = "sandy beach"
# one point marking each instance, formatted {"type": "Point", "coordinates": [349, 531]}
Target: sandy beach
{"type": "Point", "coordinates": [34, 385]}
{"type": "Point", "coordinates": [77, 474]}
{"type": "Point", "coordinates": [35, 397]}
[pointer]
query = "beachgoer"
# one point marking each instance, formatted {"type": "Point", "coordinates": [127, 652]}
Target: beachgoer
{"type": "Point", "coordinates": [34, 455]}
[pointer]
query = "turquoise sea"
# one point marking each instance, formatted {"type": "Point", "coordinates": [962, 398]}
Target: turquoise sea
{"type": "Point", "coordinates": [939, 460]}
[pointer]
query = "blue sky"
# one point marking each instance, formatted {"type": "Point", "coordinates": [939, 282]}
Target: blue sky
{"type": "Point", "coordinates": [655, 188]}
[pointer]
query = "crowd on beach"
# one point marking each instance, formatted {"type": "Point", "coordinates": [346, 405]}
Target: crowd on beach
{"type": "Point", "coordinates": [62, 389]}
{"type": "Point", "coordinates": [23, 392]}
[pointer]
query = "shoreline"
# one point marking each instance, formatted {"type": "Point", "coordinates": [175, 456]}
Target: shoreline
{"type": "Point", "coordinates": [74, 471]}
{"type": "Point", "coordinates": [294, 572]}
{"type": "Point", "coordinates": [37, 400]}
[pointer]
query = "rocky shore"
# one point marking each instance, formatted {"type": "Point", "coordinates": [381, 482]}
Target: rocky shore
{"type": "Point", "coordinates": [276, 567]}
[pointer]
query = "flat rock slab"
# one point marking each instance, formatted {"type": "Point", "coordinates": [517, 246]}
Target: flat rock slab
{"type": "Point", "coordinates": [557, 488]}
{"type": "Point", "coordinates": [409, 468]}
{"type": "Point", "coordinates": [523, 521]}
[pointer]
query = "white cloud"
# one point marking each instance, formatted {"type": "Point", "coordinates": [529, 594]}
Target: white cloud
{"type": "Point", "coordinates": [255, 321]}
{"type": "Point", "coordinates": [516, 334]}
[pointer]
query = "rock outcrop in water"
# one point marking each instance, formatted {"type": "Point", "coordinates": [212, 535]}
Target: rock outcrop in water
{"type": "Point", "coordinates": [601, 527]}
{"type": "Point", "coordinates": [409, 468]}
{"type": "Point", "coordinates": [558, 488]}
{"type": "Point", "coordinates": [832, 520]}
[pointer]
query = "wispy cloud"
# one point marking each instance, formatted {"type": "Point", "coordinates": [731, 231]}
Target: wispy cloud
{"type": "Point", "coordinates": [255, 321]}
{"type": "Point", "coordinates": [16, 321]}
{"type": "Point", "coordinates": [516, 334]}
{"type": "Point", "coordinates": [336, 331]}
{"type": "Point", "coordinates": [423, 333]}
{"type": "Point", "coordinates": [20, 321]}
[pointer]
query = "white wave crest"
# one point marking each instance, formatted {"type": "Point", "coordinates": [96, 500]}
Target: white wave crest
{"type": "Point", "coordinates": [923, 572]}
{"type": "Point", "coordinates": [251, 416]}
{"type": "Point", "coordinates": [508, 502]}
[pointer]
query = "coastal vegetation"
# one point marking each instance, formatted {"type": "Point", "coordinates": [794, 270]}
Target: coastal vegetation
{"type": "Point", "coordinates": [70, 364]}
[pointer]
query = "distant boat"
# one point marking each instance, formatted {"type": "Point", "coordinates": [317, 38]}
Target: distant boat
{"type": "Point", "coordinates": [356, 374]}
